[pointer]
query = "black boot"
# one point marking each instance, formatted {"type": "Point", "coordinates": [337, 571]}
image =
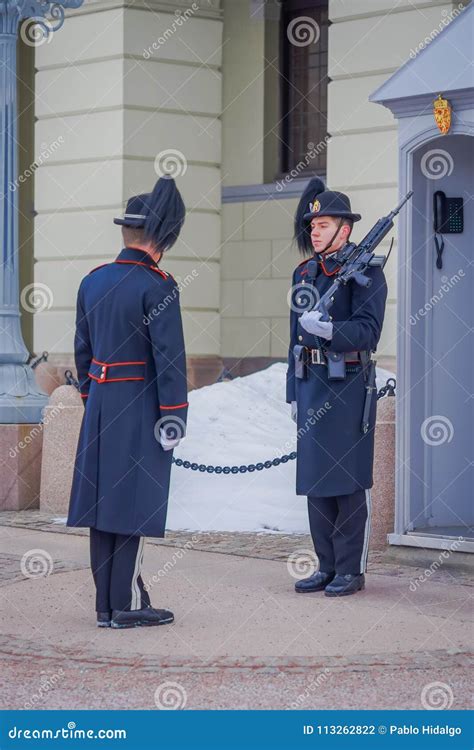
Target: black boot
{"type": "Point", "coordinates": [135, 618]}
{"type": "Point", "coordinates": [344, 585]}
{"type": "Point", "coordinates": [317, 582]}
{"type": "Point", "coordinates": [103, 619]}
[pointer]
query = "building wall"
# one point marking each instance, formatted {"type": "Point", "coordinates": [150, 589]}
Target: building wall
{"type": "Point", "coordinates": [117, 86]}
{"type": "Point", "coordinates": [257, 257]}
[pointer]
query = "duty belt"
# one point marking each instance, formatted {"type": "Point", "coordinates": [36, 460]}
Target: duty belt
{"type": "Point", "coordinates": [334, 361]}
{"type": "Point", "coordinates": [319, 357]}
{"type": "Point", "coordinates": [112, 372]}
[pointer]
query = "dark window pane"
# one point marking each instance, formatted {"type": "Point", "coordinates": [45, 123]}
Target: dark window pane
{"type": "Point", "coordinates": [304, 27]}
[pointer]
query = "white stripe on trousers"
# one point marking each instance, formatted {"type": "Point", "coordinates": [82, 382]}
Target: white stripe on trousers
{"type": "Point", "coordinates": [365, 546]}
{"type": "Point", "coordinates": [136, 601]}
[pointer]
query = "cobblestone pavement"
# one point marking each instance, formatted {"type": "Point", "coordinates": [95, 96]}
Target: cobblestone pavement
{"type": "Point", "coordinates": [242, 638]}
{"type": "Point", "coordinates": [51, 680]}
{"type": "Point", "coordinates": [267, 546]}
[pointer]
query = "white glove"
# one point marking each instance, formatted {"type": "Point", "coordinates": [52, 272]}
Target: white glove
{"type": "Point", "coordinates": [294, 412]}
{"type": "Point", "coordinates": [312, 324]}
{"type": "Point", "coordinates": [166, 443]}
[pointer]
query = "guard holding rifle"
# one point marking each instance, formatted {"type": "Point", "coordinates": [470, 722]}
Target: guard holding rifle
{"type": "Point", "coordinates": [331, 388]}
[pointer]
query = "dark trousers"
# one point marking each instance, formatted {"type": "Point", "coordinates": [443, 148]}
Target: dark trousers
{"type": "Point", "coordinates": [340, 529]}
{"type": "Point", "coordinates": [116, 562]}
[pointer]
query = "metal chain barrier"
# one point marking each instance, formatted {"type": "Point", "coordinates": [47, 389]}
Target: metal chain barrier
{"type": "Point", "coordinates": [388, 389]}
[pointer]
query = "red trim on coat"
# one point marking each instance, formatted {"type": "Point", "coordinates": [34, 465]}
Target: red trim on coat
{"type": "Point", "coordinates": [329, 273]}
{"type": "Point", "coordinates": [321, 263]}
{"type": "Point", "coordinates": [105, 367]}
{"type": "Point", "coordinates": [114, 364]}
{"type": "Point", "coordinates": [84, 395]}
{"type": "Point", "coordinates": [147, 265]}
{"type": "Point", "coordinates": [111, 380]}
{"type": "Point", "coordinates": [178, 406]}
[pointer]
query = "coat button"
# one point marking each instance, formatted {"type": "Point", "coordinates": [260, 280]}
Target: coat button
{"type": "Point", "coordinates": [303, 281]}
{"type": "Point", "coordinates": [300, 338]}
{"type": "Point", "coordinates": [299, 300]}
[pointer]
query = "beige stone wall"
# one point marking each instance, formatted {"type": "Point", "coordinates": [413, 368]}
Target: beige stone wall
{"type": "Point", "coordinates": [257, 263]}
{"type": "Point", "coordinates": [115, 87]}
{"type": "Point", "coordinates": [257, 258]}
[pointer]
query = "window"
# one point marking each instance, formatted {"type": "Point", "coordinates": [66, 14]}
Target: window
{"type": "Point", "coordinates": [304, 82]}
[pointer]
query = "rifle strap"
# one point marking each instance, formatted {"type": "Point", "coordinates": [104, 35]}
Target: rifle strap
{"type": "Point", "coordinates": [341, 220]}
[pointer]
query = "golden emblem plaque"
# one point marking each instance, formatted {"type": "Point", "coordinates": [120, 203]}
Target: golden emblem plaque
{"type": "Point", "coordinates": [442, 114]}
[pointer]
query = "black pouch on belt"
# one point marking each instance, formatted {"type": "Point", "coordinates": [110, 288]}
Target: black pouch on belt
{"type": "Point", "coordinates": [336, 365]}
{"type": "Point", "coordinates": [300, 361]}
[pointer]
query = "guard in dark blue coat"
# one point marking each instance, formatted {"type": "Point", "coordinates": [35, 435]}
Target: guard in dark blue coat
{"type": "Point", "coordinates": [131, 365]}
{"type": "Point", "coordinates": [330, 404]}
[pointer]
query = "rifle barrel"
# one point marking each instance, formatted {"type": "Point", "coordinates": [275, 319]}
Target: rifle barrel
{"type": "Point", "coordinates": [400, 205]}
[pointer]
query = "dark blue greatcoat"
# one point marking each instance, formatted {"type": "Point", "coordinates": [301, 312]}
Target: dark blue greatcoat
{"type": "Point", "coordinates": [334, 457]}
{"type": "Point", "coordinates": [130, 359]}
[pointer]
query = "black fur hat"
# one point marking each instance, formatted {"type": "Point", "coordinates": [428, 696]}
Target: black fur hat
{"type": "Point", "coordinates": [160, 213]}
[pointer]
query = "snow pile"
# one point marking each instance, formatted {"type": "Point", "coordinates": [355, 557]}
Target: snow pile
{"type": "Point", "coordinates": [239, 422]}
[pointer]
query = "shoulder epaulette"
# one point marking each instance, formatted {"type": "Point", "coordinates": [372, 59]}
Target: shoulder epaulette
{"type": "Point", "coordinates": [97, 267]}
{"type": "Point", "coordinates": [158, 270]}
{"type": "Point", "coordinates": [304, 261]}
